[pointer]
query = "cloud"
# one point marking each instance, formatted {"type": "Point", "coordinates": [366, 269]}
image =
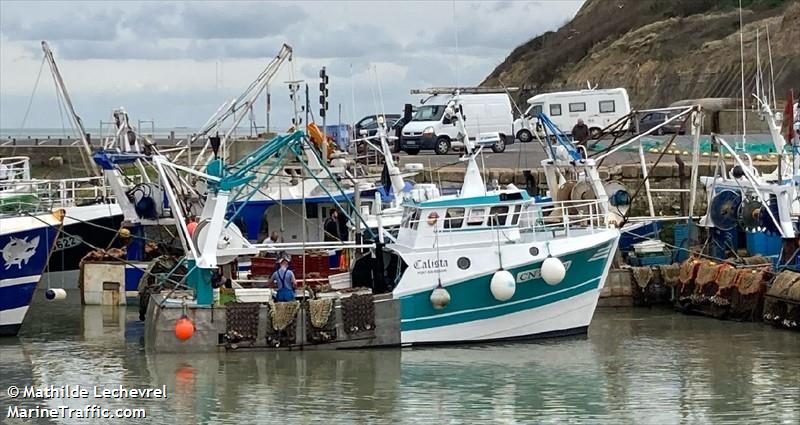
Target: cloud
{"type": "Point", "coordinates": [208, 20]}
{"type": "Point", "coordinates": [176, 62]}
{"type": "Point", "coordinates": [71, 25]}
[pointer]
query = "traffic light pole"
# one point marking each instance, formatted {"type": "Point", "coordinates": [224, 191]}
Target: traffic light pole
{"type": "Point", "coordinates": [323, 108]}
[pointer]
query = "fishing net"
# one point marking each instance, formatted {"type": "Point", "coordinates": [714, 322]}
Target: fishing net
{"type": "Point", "coordinates": [241, 322]}
{"type": "Point", "coordinates": [786, 285]}
{"type": "Point", "coordinates": [750, 282]}
{"type": "Point", "coordinates": [756, 260]}
{"type": "Point", "coordinates": [642, 276]}
{"type": "Point", "coordinates": [323, 322]}
{"type": "Point", "coordinates": [320, 311]}
{"type": "Point", "coordinates": [283, 314]}
{"type": "Point", "coordinates": [727, 278]}
{"type": "Point", "coordinates": [670, 273]}
{"type": "Point", "coordinates": [782, 307]}
{"type": "Point", "coordinates": [282, 329]}
{"type": "Point", "coordinates": [688, 271]}
{"type": "Point", "coordinates": [358, 313]}
{"type": "Point", "coordinates": [708, 273]}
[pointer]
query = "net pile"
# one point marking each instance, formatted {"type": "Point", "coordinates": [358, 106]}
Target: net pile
{"type": "Point", "coordinates": [282, 329]}
{"type": "Point", "coordinates": [358, 313]}
{"type": "Point", "coordinates": [782, 305]}
{"type": "Point", "coordinates": [241, 323]}
{"type": "Point", "coordinates": [670, 274]}
{"type": "Point", "coordinates": [747, 300]}
{"type": "Point", "coordinates": [648, 287]}
{"type": "Point", "coordinates": [722, 290]}
{"type": "Point", "coordinates": [319, 313]}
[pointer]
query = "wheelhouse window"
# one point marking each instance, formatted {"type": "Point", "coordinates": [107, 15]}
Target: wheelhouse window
{"type": "Point", "coordinates": [408, 215]}
{"type": "Point", "coordinates": [515, 217]}
{"type": "Point", "coordinates": [454, 218]}
{"type": "Point", "coordinates": [577, 107]}
{"type": "Point", "coordinates": [555, 109]}
{"type": "Point", "coordinates": [476, 216]}
{"type": "Point", "coordinates": [607, 106]}
{"type": "Point", "coordinates": [498, 215]}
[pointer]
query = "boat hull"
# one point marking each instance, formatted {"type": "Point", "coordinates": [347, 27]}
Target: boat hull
{"type": "Point", "coordinates": [536, 309]}
{"type": "Point", "coordinates": [25, 243]}
{"type": "Point", "coordinates": [84, 227]}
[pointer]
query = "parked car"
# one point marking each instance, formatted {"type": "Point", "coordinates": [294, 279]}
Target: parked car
{"type": "Point", "coordinates": [485, 113]}
{"type": "Point", "coordinates": [370, 123]}
{"type": "Point", "coordinates": [652, 119]}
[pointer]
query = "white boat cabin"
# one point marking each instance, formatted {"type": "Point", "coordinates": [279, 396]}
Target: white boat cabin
{"type": "Point", "coordinates": [454, 220]}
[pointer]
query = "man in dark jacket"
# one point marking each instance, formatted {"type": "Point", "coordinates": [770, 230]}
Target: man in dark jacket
{"type": "Point", "coordinates": [331, 229]}
{"type": "Point", "coordinates": [580, 133]}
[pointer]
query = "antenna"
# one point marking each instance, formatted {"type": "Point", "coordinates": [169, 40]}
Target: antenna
{"type": "Point", "coordinates": [741, 53]}
{"type": "Point", "coordinates": [771, 71]}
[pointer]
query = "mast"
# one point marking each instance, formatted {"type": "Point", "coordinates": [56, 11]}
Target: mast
{"type": "Point", "coordinates": [741, 52]}
{"type": "Point", "coordinates": [243, 103]}
{"type": "Point", "coordinates": [76, 120]}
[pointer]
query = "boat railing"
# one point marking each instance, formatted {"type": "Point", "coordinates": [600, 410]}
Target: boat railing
{"type": "Point", "coordinates": [13, 169]}
{"type": "Point", "coordinates": [66, 192]}
{"type": "Point", "coordinates": [560, 217]}
{"type": "Point", "coordinates": [563, 217]}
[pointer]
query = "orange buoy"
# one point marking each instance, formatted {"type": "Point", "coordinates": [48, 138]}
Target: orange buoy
{"type": "Point", "coordinates": [184, 328]}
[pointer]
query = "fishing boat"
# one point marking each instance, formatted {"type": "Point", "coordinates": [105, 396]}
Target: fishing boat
{"type": "Point", "coordinates": [486, 265]}
{"type": "Point", "coordinates": [26, 241]}
{"type": "Point", "coordinates": [91, 215]}
{"type": "Point", "coordinates": [741, 199]}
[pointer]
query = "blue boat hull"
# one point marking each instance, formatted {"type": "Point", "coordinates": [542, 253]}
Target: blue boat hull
{"type": "Point", "coordinates": [24, 258]}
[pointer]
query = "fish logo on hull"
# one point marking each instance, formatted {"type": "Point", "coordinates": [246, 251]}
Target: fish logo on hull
{"type": "Point", "coordinates": [17, 251]}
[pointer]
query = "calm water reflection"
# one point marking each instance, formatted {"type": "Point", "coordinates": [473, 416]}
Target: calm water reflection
{"type": "Point", "coordinates": [635, 366]}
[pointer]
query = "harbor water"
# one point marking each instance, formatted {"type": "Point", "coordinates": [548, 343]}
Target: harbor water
{"type": "Point", "coordinates": [635, 366]}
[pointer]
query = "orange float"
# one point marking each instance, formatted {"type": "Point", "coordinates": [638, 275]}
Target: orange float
{"type": "Point", "coordinates": [184, 328]}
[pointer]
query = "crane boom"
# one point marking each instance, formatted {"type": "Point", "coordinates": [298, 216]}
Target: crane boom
{"type": "Point", "coordinates": [76, 120]}
{"type": "Point", "coordinates": [242, 103]}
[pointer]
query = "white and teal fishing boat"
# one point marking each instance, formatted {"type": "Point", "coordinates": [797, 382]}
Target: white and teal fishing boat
{"type": "Point", "coordinates": [494, 265]}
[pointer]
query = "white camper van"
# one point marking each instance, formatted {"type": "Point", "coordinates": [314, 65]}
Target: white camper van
{"type": "Point", "coordinates": [484, 112]}
{"type": "Point", "coordinates": [597, 108]}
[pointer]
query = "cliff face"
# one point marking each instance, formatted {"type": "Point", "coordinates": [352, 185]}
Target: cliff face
{"type": "Point", "coordinates": [660, 51]}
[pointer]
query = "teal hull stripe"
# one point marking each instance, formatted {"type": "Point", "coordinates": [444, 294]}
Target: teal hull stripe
{"type": "Point", "coordinates": [591, 284]}
{"type": "Point", "coordinates": [472, 299]}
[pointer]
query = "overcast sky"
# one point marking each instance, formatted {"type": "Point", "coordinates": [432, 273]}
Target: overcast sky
{"type": "Point", "coordinates": [176, 62]}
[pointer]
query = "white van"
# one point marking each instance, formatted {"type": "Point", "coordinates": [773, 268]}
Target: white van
{"type": "Point", "coordinates": [484, 113]}
{"type": "Point", "coordinates": [597, 108]}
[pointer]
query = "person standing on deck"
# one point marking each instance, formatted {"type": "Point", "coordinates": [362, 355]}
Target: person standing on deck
{"type": "Point", "coordinates": [284, 281]}
{"type": "Point", "coordinates": [580, 133]}
{"type": "Point", "coordinates": [272, 254]}
{"type": "Point", "coordinates": [331, 229]}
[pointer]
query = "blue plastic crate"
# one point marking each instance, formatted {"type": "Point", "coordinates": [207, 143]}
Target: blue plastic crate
{"type": "Point", "coordinates": [651, 260]}
{"type": "Point", "coordinates": [763, 244]}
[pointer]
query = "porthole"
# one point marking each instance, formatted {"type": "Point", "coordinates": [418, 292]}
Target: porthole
{"type": "Point", "coordinates": [534, 251]}
{"type": "Point", "coordinates": [463, 263]}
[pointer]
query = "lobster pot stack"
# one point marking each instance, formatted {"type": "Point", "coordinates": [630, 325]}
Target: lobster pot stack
{"type": "Point", "coordinates": [723, 290]}
{"type": "Point", "coordinates": [782, 302]}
